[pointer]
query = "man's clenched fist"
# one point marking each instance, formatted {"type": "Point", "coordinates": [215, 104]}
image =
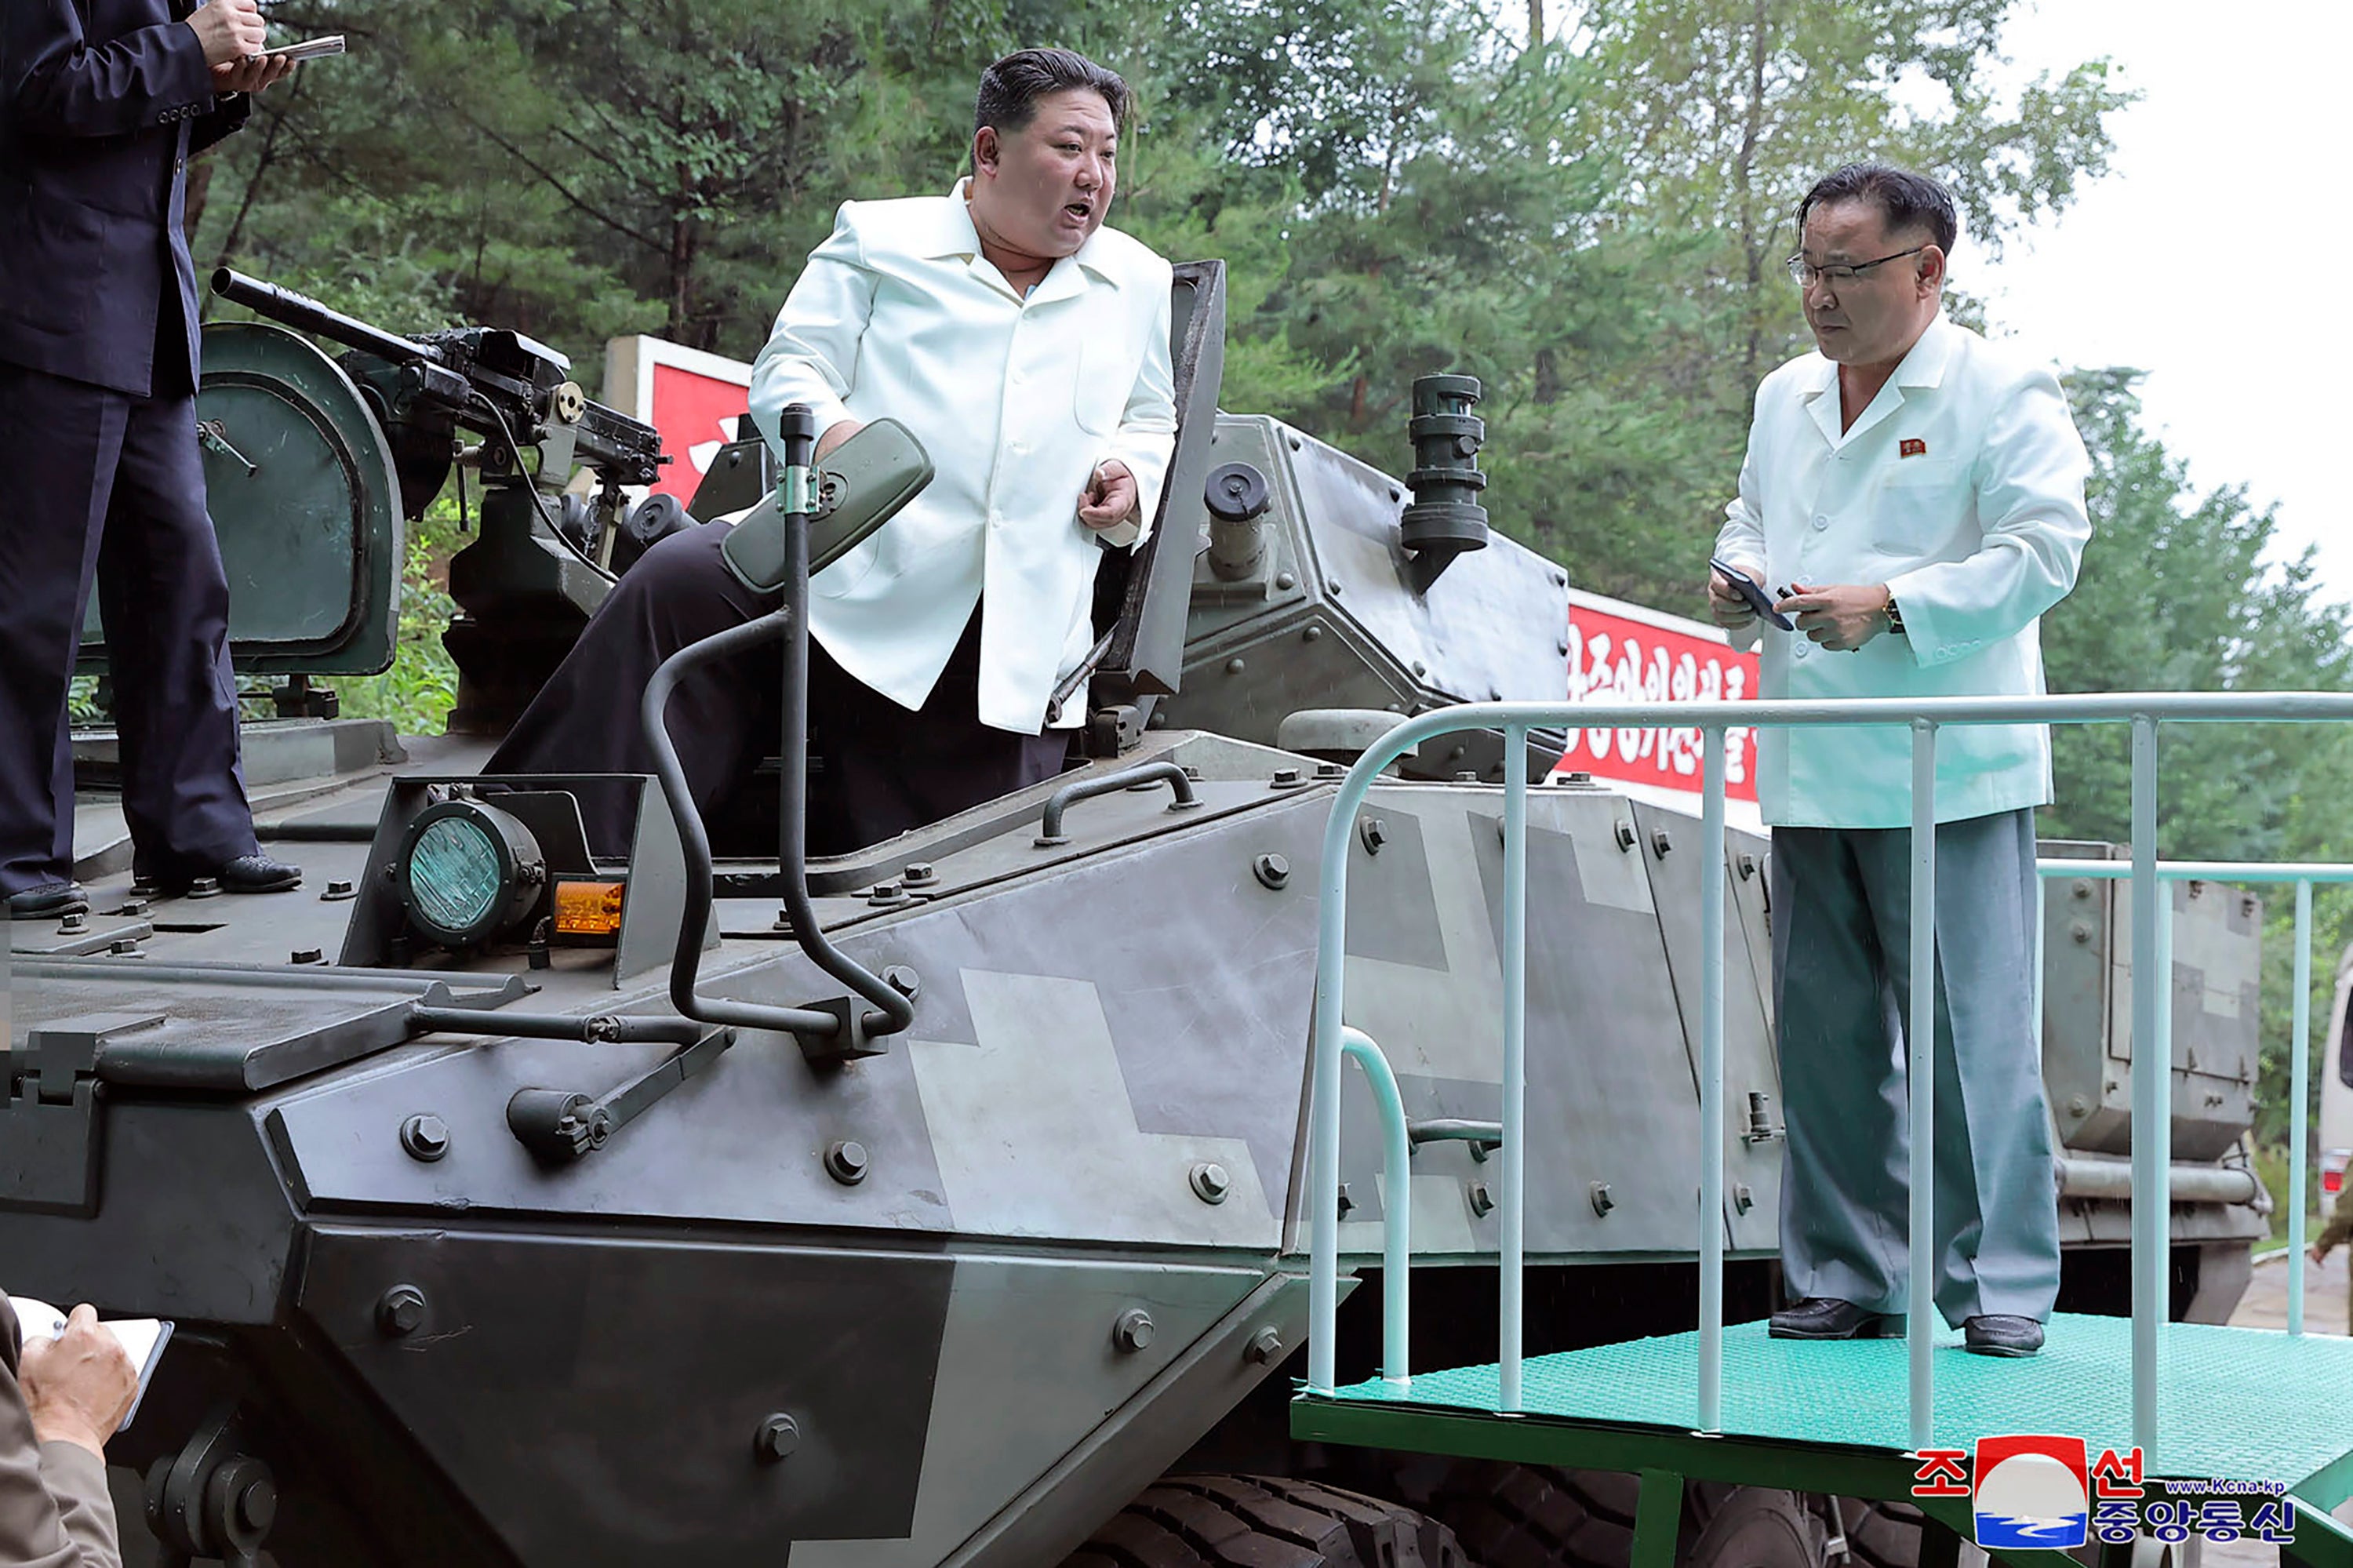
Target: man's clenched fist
{"type": "Point", "coordinates": [1109, 495]}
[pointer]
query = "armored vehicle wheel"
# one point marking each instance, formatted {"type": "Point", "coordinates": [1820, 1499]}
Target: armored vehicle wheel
{"type": "Point", "coordinates": [1759, 1527]}
{"type": "Point", "coordinates": [1538, 1516]}
{"type": "Point", "coordinates": [1881, 1534]}
{"type": "Point", "coordinates": [1264, 1521]}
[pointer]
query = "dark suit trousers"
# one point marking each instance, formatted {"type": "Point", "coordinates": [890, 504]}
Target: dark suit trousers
{"type": "Point", "coordinates": [885, 769]}
{"type": "Point", "coordinates": [108, 488]}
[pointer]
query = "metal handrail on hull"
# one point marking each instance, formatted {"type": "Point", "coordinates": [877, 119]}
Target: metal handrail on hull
{"type": "Point", "coordinates": [2152, 1132]}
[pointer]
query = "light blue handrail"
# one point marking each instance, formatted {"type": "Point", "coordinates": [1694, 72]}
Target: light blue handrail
{"type": "Point", "coordinates": [2152, 1125]}
{"type": "Point", "coordinates": [2303, 876]}
{"type": "Point", "coordinates": [1396, 1205]}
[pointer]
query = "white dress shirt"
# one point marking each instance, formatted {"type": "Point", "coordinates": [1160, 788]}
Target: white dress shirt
{"type": "Point", "coordinates": [1961, 488]}
{"type": "Point", "coordinates": [1017, 400]}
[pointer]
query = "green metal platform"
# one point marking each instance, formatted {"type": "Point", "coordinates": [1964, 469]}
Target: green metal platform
{"type": "Point", "coordinates": [2235, 1404]}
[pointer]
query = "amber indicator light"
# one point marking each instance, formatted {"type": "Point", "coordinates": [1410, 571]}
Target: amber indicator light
{"type": "Point", "coordinates": [588, 908]}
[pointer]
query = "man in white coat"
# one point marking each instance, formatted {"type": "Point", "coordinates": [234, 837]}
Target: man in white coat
{"type": "Point", "coordinates": [1917, 496]}
{"type": "Point", "coordinates": [1026, 346]}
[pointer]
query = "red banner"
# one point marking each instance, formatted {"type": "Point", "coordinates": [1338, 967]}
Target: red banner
{"type": "Point", "coordinates": [1621, 652]}
{"type": "Point", "coordinates": [696, 415]}
{"type": "Point", "coordinates": [693, 398]}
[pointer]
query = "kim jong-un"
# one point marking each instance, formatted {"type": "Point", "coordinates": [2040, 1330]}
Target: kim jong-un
{"type": "Point", "coordinates": [1026, 346]}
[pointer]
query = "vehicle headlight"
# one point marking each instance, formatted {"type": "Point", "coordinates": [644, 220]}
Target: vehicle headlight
{"type": "Point", "coordinates": [468, 872]}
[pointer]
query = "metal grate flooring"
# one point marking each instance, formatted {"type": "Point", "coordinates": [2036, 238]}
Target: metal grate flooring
{"type": "Point", "coordinates": [2236, 1404]}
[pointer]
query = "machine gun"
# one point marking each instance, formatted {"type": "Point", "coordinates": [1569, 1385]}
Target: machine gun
{"type": "Point", "coordinates": [511, 390]}
{"type": "Point", "coordinates": [540, 563]}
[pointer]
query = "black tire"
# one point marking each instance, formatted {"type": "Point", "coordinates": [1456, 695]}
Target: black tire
{"type": "Point", "coordinates": [1881, 1534]}
{"type": "Point", "coordinates": [1538, 1516]}
{"type": "Point", "coordinates": [1264, 1521]}
{"type": "Point", "coordinates": [1758, 1527]}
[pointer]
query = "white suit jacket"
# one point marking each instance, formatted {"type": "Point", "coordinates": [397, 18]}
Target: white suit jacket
{"type": "Point", "coordinates": [1961, 488]}
{"type": "Point", "coordinates": [1017, 400]}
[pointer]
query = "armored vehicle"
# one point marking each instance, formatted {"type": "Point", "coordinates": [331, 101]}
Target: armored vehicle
{"type": "Point", "coordinates": [520, 1202]}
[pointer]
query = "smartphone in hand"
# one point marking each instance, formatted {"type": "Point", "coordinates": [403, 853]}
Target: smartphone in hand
{"type": "Point", "coordinates": [1751, 589]}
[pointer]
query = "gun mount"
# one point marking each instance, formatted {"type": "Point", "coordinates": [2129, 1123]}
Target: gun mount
{"type": "Point", "coordinates": [511, 390]}
{"type": "Point", "coordinates": [542, 562]}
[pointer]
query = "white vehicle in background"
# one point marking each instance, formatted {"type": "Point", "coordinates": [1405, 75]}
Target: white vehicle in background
{"type": "Point", "coordinates": [2336, 1088]}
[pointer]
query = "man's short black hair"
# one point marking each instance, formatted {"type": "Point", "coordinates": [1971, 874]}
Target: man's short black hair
{"type": "Point", "coordinates": [1904, 198]}
{"type": "Point", "coordinates": [1010, 88]}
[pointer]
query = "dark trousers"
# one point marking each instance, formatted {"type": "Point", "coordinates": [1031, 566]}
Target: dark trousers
{"type": "Point", "coordinates": [885, 769]}
{"type": "Point", "coordinates": [108, 487]}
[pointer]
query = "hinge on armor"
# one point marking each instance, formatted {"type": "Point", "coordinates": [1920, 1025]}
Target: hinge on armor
{"type": "Point", "coordinates": [49, 1128]}
{"type": "Point", "coordinates": [1118, 730]}
{"type": "Point", "coordinates": [213, 1499]}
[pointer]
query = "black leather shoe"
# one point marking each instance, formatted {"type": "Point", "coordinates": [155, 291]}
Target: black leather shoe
{"type": "Point", "coordinates": [247, 874]}
{"type": "Point", "coordinates": [1828, 1318]}
{"type": "Point", "coordinates": [50, 901]}
{"type": "Point", "coordinates": [2000, 1334]}
{"type": "Point", "coordinates": [258, 873]}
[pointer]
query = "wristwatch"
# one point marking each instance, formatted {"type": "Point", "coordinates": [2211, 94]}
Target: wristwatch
{"type": "Point", "coordinates": [1894, 617]}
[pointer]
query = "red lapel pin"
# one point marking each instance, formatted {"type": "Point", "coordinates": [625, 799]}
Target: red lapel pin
{"type": "Point", "coordinates": [1912, 447]}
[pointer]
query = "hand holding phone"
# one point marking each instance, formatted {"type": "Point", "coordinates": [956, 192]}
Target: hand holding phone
{"type": "Point", "coordinates": [1753, 593]}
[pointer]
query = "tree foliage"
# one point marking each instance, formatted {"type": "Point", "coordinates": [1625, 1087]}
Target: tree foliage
{"type": "Point", "coordinates": [2174, 596]}
{"type": "Point", "coordinates": [1593, 226]}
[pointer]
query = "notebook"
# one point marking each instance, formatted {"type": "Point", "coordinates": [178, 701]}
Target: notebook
{"type": "Point", "coordinates": [142, 1337]}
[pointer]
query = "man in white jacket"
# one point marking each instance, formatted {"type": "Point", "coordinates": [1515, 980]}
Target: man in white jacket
{"type": "Point", "coordinates": [1917, 495]}
{"type": "Point", "coordinates": [1026, 346]}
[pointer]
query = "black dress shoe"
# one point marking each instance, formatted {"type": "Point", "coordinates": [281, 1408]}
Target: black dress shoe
{"type": "Point", "coordinates": [2000, 1334]}
{"type": "Point", "coordinates": [1828, 1318]}
{"type": "Point", "coordinates": [50, 901]}
{"type": "Point", "coordinates": [258, 873]}
{"type": "Point", "coordinates": [246, 874]}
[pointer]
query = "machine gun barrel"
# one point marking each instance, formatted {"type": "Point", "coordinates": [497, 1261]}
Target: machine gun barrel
{"type": "Point", "coordinates": [301, 311]}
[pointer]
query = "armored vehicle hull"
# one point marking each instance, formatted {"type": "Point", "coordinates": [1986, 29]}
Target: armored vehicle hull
{"type": "Point", "coordinates": [543, 1246]}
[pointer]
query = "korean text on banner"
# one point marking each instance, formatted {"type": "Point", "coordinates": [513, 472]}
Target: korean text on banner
{"type": "Point", "coordinates": [1624, 653]}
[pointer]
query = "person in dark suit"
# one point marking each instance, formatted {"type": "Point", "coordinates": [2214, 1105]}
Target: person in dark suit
{"type": "Point", "coordinates": [59, 1400]}
{"type": "Point", "coordinates": [101, 103]}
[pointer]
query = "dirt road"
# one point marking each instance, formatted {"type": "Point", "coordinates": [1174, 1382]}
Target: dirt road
{"type": "Point", "coordinates": [2265, 1305]}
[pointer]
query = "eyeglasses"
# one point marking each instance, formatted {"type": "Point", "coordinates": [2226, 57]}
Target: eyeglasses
{"type": "Point", "coordinates": [1805, 274]}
